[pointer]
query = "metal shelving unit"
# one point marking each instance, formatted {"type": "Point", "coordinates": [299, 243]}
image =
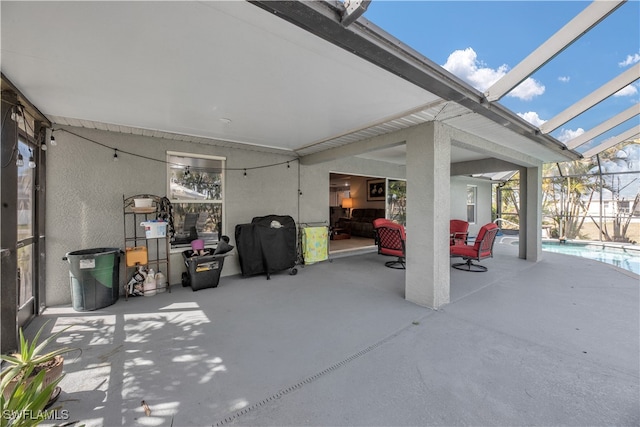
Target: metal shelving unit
{"type": "Point", "coordinates": [158, 249]}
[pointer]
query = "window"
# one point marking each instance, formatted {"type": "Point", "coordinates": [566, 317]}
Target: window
{"type": "Point", "coordinates": [196, 191]}
{"type": "Point", "coordinates": [623, 207]}
{"type": "Point", "coordinates": [472, 193]}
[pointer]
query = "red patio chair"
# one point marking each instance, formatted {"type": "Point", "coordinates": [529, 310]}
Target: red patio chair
{"type": "Point", "coordinates": [481, 249]}
{"type": "Point", "coordinates": [390, 237]}
{"type": "Point", "coordinates": [459, 231]}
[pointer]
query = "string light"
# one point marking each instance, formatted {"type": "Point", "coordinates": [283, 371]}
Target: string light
{"type": "Point", "coordinates": [115, 154]}
{"type": "Point", "coordinates": [52, 141]}
{"type": "Point", "coordinates": [187, 171]}
{"type": "Point", "coordinates": [19, 160]}
{"type": "Point", "coordinates": [32, 162]}
{"type": "Point", "coordinates": [17, 115]}
{"type": "Point", "coordinates": [43, 146]}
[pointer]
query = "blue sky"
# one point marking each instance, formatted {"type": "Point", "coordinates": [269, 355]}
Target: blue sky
{"type": "Point", "coordinates": [481, 40]}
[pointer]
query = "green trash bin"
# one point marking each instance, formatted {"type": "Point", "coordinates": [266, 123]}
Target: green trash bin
{"type": "Point", "coordinates": [94, 276]}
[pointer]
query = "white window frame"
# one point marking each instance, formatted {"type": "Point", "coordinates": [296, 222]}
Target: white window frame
{"type": "Point", "coordinates": [474, 189]}
{"type": "Point", "coordinates": [221, 202]}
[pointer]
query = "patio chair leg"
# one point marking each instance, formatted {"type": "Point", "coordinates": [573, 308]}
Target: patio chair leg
{"type": "Point", "coordinates": [469, 266]}
{"type": "Point", "coordinates": [397, 264]}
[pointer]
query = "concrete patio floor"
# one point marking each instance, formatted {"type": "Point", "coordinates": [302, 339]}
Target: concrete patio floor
{"type": "Point", "coordinates": [548, 343]}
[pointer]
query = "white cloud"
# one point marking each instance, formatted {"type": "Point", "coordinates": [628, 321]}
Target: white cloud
{"type": "Point", "coordinates": [564, 79]}
{"type": "Point", "coordinates": [465, 64]}
{"type": "Point", "coordinates": [567, 135]}
{"type": "Point", "coordinates": [627, 91]}
{"type": "Point", "coordinates": [532, 117]}
{"type": "Point", "coordinates": [527, 90]}
{"type": "Point", "coordinates": [631, 59]}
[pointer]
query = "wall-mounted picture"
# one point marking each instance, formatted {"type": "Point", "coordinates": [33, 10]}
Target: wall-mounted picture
{"type": "Point", "coordinates": [376, 189]}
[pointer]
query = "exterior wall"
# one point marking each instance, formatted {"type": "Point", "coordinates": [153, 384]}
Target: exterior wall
{"type": "Point", "coordinates": [459, 201]}
{"type": "Point", "coordinates": [85, 190]}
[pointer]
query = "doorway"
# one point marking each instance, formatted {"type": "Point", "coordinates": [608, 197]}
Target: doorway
{"type": "Point", "coordinates": [349, 203]}
{"type": "Point", "coordinates": [22, 233]}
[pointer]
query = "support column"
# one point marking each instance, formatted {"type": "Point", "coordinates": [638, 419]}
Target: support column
{"type": "Point", "coordinates": [427, 277]}
{"type": "Point", "coordinates": [530, 213]}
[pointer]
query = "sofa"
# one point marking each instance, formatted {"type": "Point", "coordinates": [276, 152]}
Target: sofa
{"type": "Point", "coordinates": [361, 222]}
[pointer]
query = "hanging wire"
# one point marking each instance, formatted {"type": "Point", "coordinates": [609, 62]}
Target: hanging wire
{"type": "Point", "coordinates": [15, 145]}
{"type": "Point", "coordinates": [244, 169]}
{"type": "Point", "coordinates": [19, 110]}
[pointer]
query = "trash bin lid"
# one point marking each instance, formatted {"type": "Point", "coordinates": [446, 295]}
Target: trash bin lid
{"type": "Point", "coordinates": [93, 252]}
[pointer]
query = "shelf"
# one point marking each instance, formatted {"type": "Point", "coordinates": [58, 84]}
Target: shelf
{"type": "Point", "coordinates": [158, 249]}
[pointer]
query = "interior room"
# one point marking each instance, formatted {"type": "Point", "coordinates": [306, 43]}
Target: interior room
{"type": "Point", "coordinates": [348, 194]}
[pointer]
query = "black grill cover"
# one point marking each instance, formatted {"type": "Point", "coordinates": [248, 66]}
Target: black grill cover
{"type": "Point", "coordinates": [277, 236]}
{"type": "Point", "coordinates": [249, 251]}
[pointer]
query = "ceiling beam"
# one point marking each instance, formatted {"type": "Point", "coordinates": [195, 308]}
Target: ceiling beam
{"type": "Point", "coordinates": [366, 40]}
{"type": "Point", "coordinates": [7, 85]}
{"type": "Point", "coordinates": [629, 134]}
{"type": "Point", "coordinates": [368, 145]}
{"type": "Point", "coordinates": [572, 31]}
{"type": "Point", "coordinates": [606, 90]}
{"type": "Point", "coordinates": [482, 166]}
{"type": "Point", "coordinates": [603, 127]}
{"type": "Point", "coordinates": [353, 9]}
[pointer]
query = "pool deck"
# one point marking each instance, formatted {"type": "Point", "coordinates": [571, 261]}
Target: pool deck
{"type": "Point", "coordinates": [615, 245]}
{"type": "Point", "coordinates": [555, 342]}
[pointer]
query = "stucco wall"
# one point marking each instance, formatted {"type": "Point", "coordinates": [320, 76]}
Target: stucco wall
{"type": "Point", "coordinates": [85, 188]}
{"type": "Point", "coordinates": [459, 201]}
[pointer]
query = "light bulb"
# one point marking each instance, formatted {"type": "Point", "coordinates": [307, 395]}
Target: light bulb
{"type": "Point", "coordinates": [53, 140]}
{"type": "Point", "coordinates": [43, 147]}
{"type": "Point", "coordinates": [19, 160]}
{"type": "Point", "coordinates": [115, 155]}
{"type": "Point", "coordinates": [32, 163]}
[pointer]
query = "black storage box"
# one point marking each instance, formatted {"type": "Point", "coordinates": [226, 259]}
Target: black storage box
{"type": "Point", "coordinates": [203, 271]}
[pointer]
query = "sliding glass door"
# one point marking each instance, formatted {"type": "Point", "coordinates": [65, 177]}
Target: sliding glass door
{"type": "Point", "coordinates": [397, 200]}
{"type": "Point", "coordinates": [26, 233]}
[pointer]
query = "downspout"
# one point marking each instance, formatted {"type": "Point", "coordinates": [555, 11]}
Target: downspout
{"type": "Point", "coordinates": [561, 231]}
{"type": "Point", "coordinates": [600, 181]}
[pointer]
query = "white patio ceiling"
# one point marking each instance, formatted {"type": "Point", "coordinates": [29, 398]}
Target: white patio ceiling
{"type": "Point", "coordinates": [234, 72]}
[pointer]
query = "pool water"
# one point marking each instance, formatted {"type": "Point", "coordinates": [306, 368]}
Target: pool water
{"type": "Point", "coordinates": [626, 258]}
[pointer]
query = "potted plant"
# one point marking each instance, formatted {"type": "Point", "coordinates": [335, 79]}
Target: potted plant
{"type": "Point", "coordinates": [30, 361]}
{"type": "Point", "coordinates": [27, 403]}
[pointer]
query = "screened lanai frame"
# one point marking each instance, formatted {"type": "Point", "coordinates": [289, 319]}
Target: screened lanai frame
{"type": "Point", "coordinates": [592, 199]}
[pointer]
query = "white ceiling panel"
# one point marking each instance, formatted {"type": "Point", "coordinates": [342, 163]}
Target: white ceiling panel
{"type": "Point", "coordinates": [228, 72]}
{"type": "Point", "coordinates": [181, 67]}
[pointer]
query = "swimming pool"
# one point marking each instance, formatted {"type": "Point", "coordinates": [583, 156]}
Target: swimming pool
{"type": "Point", "coordinates": [623, 257]}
